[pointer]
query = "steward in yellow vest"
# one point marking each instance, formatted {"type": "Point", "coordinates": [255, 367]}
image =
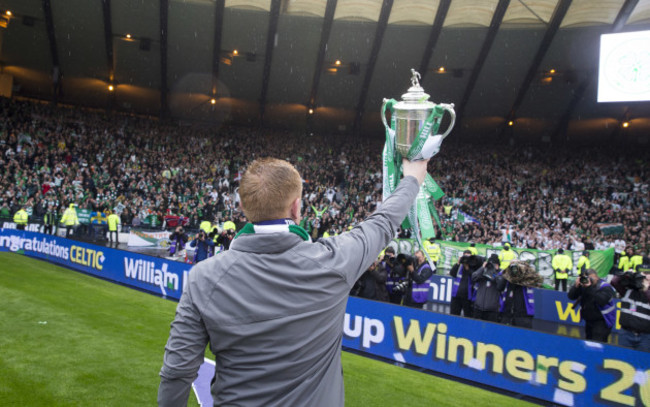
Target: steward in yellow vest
{"type": "Point", "coordinates": [506, 256]}
{"type": "Point", "coordinates": [583, 262]}
{"type": "Point", "coordinates": [624, 262]}
{"type": "Point", "coordinates": [562, 265]}
{"type": "Point", "coordinates": [433, 249]}
{"type": "Point", "coordinates": [635, 261]}
{"type": "Point", "coordinates": [206, 226]}
{"type": "Point", "coordinates": [70, 219]}
{"type": "Point", "coordinates": [113, 220]}
{"type": "Point", "coordinates": [20, 218]}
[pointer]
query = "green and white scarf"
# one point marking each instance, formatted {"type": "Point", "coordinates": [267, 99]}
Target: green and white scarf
{"type": "Point", "coordinates": [250, 228]}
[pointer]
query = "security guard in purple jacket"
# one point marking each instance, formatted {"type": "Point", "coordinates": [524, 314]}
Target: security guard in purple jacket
{"type": "Point", "coordinates": [419, 282]}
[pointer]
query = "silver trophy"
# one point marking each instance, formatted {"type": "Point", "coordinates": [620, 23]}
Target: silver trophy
{"type": "Point", "coordinates": [412, 112]}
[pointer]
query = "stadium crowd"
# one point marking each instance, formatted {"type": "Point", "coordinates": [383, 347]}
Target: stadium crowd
{"type": "Point", "coordinates": [544, 197]}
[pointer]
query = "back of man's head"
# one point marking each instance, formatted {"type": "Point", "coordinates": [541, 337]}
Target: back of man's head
{"type": "Point", "coordinates": [268, 187]}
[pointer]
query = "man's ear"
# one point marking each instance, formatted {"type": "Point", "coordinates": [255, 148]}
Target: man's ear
{"type": "Point", "coordinates": [294, 210]}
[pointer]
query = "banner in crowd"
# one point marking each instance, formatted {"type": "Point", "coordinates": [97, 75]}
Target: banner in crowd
{"type": "Point", "coordinates": [159, 276]}
{"type": "Point", "coordinates": [601, 260]}
{"type": "Point", "coordinates": [610, 229]}
{"type": "Point", "coordinates": [32, 227]}
{"type": "Point", "coordinates": [140, 238]}
{"type": "Point", "coordinates": [554, 368]}
{"type": "Point", "coordinates": [83, 215]}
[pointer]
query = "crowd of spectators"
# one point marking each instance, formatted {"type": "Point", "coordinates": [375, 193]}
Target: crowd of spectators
{"type": "Point", "coordinates": [549, 198]}
{"type": "Point", "coordinates": [543, 197]}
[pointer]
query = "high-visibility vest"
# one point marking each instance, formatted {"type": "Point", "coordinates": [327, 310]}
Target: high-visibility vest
{"type": "Point", "coordinates": [432, 249]}
{"type": "Point", "coordinates": [420, 291]}
{"type": "Point", "coordinates": [473, 250]}
{"type": "Point", "coordinates": [70, 217]}
{"type": "Point", "coordinates": [113, 220]}
{"type": "Point", "coordinates": [505, 257]}
{"type": "Point", "coordinates": [635, 262]}
{"type": "Point", "coordinates": [20, 217]}
{"type": "Point", "coordinates": [229, 225]}
{"type": "Point", "coordinates": [562, 264]}
{"type": "Point", "coordinates": [624, 263]}
{"type": "Point", "coordinates": [583, 263]}
{"type": "Point", "coordinates": [608, 310]}
{"type": "Point", "coordinates": [206, 226]}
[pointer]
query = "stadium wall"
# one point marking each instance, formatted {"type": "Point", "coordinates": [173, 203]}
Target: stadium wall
{"type": "Point", "coordinates": [554, 368]}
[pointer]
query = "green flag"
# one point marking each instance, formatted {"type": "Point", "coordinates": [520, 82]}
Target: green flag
{"type": "Point", "coordinates": [432, 188]}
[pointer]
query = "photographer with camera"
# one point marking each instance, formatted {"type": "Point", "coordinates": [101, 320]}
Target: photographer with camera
{"type": "Point", "coordinates": [596, 298]}
{"type": "Point", "coordinates": [225, 238]}
{"type": "Point", "coordinates": [488, 285]}
{"type": "Point", "coordinates": [419, 273]}
{"type": "Point", "coordinates": [394, 276]}
{"type": "Point", "coordinates": [204, 246]}
{"type": "Point", "coordinates": [177, 241]}
{"type": "Point", "coordinates": [462, 294]}
{"type": "Point", "coordinates": [372, 284]}
{"type": "Point", "coordinates": [400, 277]}
{"type": "Point", "coordinates": [634, 289]}
{"type": "Point", "coordinates": [518, 299]}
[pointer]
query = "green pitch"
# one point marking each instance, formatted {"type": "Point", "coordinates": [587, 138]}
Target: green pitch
{"type": "Point", "coordinates": [67, 339]}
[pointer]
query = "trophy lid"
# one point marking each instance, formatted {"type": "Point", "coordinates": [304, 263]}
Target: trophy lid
{"type": "Point", "coordinates": [416, 94]}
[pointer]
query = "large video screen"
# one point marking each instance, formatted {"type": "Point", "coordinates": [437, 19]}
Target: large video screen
{"type": "Point", "coordinates": [624, 69]}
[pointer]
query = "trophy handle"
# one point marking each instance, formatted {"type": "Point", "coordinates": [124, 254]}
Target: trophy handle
{"type": "Point", "coordinates": [383, 113]}
{"type": "Point", "coordinates": [450, 108]}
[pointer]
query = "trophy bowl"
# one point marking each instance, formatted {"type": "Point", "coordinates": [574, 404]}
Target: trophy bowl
{"type": "Point", "coordinates": [412, 113]}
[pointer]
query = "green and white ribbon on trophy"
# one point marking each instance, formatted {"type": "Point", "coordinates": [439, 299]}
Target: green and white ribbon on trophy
{"type": "Point", "coordinates": [412, 134]}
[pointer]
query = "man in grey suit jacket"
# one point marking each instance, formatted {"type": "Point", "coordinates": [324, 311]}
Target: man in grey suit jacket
{"type": "Point", "coordinates": [272, 307]}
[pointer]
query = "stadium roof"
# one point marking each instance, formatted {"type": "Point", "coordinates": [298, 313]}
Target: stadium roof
{"type": "Point", "coordinates": [532, 62]}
